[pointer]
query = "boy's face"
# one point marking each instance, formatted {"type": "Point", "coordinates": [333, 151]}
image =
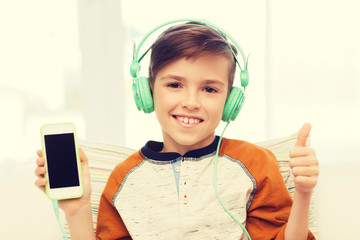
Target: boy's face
{"type": "Point", "coordinates": [189, 97]}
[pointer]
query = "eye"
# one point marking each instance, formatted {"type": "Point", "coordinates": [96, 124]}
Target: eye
{"type": "Point", "coordinates": [210, 90]}
{"type": "Point", "coordinates": [174, 85]}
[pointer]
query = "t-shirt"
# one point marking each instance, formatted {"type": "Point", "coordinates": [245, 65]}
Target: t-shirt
{"type": "Point", "coordinates": [156, 195]}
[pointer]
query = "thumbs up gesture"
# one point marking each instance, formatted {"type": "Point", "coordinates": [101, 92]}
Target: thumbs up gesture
{"type": "Point", "coordinates": [303, 163]}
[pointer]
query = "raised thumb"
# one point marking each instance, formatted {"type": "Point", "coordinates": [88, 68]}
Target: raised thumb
{"type": "Point", "coordinates": [303, 134]}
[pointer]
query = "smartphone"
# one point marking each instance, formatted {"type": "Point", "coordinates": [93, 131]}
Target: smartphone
{"type": "Point", "coordinates": [62, 160]}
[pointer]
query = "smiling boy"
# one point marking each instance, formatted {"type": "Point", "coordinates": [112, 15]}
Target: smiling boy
{"type": "Point", "coordinates": [165, 190]}
{"type": "Point", "coordinates": [189, 96]}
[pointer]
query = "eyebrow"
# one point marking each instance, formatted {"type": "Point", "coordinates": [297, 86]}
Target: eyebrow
{"type": "Point", "coordinates": [211, 81]}
{"type": "Point", "coordinates": [170, 76]}
{"type": "Point", "coordinates": [179, 78]}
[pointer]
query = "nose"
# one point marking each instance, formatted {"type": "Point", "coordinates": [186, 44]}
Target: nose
{"type": "Point", "coordinates": [191, 101]}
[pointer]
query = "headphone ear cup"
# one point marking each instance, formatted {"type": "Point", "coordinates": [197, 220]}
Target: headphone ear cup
{"type": "Point", "coordinates": [233, 104]}
{"type": "Point", "coordinates": [142, 95]}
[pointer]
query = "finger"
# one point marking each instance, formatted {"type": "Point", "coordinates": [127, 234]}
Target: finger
{"type": "Point", "coordinates": [301, 152]}
{"type": "Point", "coordinates": [40, 162]}
{"type": "Point", "coordinates": [40, 183]}
{"type": "Point", "coordinates": [39, 153]}
{"type": "Point", "coordinates": [304, 183]}
{"type": "Point", "coordinates": [304, 161]}
{"type": "Point", "coordinates": [40, 172]}
{"type": "Point", "coordinates": [83, 157]}
{"type": "Point", "coordinates": [305, 171]}
{"type": "Point", "coordinates": [303, 135]}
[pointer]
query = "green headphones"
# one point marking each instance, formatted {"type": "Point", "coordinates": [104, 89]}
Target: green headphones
{"type": "Point", "coordinates": [141, 86]}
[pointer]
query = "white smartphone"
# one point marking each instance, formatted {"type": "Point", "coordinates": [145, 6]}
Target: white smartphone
{"type": "Point", "coordinates": [62, 160]}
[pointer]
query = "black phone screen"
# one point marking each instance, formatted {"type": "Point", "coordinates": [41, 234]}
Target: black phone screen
{"type": "Point", "coordinates": [61, 160]}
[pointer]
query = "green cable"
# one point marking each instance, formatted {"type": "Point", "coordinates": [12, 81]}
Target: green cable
{"type": "Point", "coordinates": [215, 184]}
{"type": "Point", "coordinates": [56, 210]}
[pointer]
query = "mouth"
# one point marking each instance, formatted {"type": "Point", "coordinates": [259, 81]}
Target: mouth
{"type": "Point", "coordinates": [188, 120]}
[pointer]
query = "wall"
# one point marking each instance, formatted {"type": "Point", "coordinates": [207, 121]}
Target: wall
{"type": "Point", "coordinates": [312, 75]}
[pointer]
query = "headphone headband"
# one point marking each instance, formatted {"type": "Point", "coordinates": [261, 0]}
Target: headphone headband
{"type": "Point", "coordinates": [134, 68]}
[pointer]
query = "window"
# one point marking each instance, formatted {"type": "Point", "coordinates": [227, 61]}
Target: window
{"type": "Point", "coordinates": [39, 77]}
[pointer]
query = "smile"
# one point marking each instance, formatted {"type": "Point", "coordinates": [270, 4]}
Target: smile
{"type": "Point", "coordinates": [188, 120]}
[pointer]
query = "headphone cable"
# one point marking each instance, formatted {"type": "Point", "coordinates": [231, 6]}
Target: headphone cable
{"type": "Point", "coordinates": [56, 210]}
{"type": "Point", "coordinates": [215, 184]}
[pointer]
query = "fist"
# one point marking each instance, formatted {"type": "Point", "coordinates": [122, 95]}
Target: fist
{"type": "Point", "coordinates": [303, 163]}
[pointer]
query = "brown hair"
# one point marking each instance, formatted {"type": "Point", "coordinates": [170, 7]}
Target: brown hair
{"type": "Point", "coordinates": [190, 40]}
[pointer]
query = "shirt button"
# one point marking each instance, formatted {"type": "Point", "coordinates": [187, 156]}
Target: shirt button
{"type": "Point", "coordinates": [185, 200]}
{"type": "Point", "coordinates": [177, 169]}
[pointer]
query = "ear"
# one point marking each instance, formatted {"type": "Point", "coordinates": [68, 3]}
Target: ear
{"type": "Point", "coordinates": [151, 84]}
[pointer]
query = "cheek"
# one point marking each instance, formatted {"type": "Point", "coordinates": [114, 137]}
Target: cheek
{"type": "Point", "coordinates": [215, 108]}
{"type": "Point", "coordinates": [162, 100]}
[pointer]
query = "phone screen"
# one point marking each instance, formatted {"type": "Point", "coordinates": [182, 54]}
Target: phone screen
{"type": "Point", "coordinates": [61, 160]}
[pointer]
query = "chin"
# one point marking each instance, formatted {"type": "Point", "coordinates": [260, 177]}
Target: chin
{"type": "Point", "coordinates": [194, 142]}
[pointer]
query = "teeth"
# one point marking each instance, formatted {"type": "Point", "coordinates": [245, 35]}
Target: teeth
{"type": "Point", "coordinates": [188, 120]}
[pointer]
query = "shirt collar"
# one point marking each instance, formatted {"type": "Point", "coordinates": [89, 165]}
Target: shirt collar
{"type": "Point", "coordinates": [152, 150]}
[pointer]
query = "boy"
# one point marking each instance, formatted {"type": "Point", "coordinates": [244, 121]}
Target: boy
{"type": "Point", "coordinates": [165, 190]}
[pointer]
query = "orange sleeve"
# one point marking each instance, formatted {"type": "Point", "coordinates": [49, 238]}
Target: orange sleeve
{"type": "Point", "coordinates": [270, 208]}
{"type": "Point", "coordinates": [109, 223]}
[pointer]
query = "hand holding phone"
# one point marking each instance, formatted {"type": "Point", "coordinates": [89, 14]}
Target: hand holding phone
{"type": "Point", "coordinates": [62, 161]}
{"type": "Point", "coordinates": [69, 206]}
{"type": "Point", "coordinates": [77, 210]}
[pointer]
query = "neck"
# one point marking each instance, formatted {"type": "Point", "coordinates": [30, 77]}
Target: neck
{"type": "Point", "coordinates": [170, 145]}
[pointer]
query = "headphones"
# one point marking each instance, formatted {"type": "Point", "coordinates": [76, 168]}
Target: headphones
{"type": "Point", "coordinates": [141, 86]}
